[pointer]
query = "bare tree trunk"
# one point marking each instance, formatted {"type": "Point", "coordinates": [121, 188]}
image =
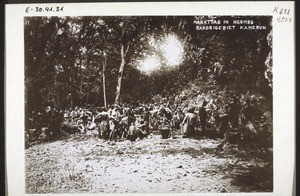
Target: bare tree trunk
{"type": "Point", "coordinates": [124, 50]}
{"type": "Point", "coordinates": [72, 92]}
{"type": "Point", "coordinates": [72, 81]}
{"type": "Point", "coordinates": [120, 75]}
{"type": "Point", "coordinates": [56, 96]}
{"type": "Point", "coordinates": [103, 77]}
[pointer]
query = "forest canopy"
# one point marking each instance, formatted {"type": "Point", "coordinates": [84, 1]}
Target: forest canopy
{"type": "Point", "coordinates": [79, 61]}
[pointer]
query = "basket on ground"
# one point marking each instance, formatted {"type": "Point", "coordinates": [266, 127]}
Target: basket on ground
{"type": "Point", "coordinates": [165, 132]}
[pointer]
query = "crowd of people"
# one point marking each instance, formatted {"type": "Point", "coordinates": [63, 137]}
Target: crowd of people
{"type": "Point", "coordinates": [206, 119]}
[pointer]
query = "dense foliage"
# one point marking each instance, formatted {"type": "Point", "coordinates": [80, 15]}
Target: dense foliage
{"type": "Point", "coordinates": [73, 61]}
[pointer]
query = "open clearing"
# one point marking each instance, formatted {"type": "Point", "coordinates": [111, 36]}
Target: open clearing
{"type": "Point", "coordinates": [86, 164]}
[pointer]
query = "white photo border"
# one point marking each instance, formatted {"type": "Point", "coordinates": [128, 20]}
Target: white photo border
{"type": "Point", "coordinates": [283, 77]}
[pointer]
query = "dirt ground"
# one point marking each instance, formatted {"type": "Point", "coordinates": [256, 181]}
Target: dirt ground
{"type": "Point", "coordinates": [85, 164]}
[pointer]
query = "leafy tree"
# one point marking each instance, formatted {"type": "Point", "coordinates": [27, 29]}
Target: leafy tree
{"type": "Point", "coordinates": [94, 60]}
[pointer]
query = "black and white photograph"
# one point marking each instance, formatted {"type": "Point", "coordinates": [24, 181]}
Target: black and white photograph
{"type": "Point", "coordinates": [137, 104]}
{"type": "Point", "coordinates": [124, 104]}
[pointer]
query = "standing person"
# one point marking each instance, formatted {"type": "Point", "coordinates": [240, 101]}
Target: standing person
{"type": "Point", "coordinates": [189, 123]}
{"type": "Point", "coordinates": [234, 113]}
{"type": "Point", "coordinates": [113, 123]}
{"type": "Point", "coordinates": [132, 133]}
{"type": "Point", "coordinates": [165, 111]}
{"type": "Point", "coordinates": [84, 117]}
{"type": "Point", "coordinates": [174, 123]}
{"type": "Point", "coordinates": [74, 114]}
{"type": "Point", "coordinates": [65, 115]}
{"type": "Point", "coordinates": [110, 109]}
{"type": "Point", "coordinates": [247, 112]}
{"type": "Point", "coordinates": [147, 119]}
{"type": "Point", "coordinates": [115, 113]}
{"type": "Point", "coordinates": [47, 125]}
{"type": "Point", "coordinates": [48, 118]}
{"type": "Point", "coordinates": [101, 120]}
{"type": "Point", "coordinates": [56, 122]}
{"type": "Point", "coordinates": [225, 127]}
{"type": "Point", "coordinates": [203, 116]}
{"type": "Point", "coordinates": [247, 120]}
{"type": "Point", "coordinates": [177, 119]}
